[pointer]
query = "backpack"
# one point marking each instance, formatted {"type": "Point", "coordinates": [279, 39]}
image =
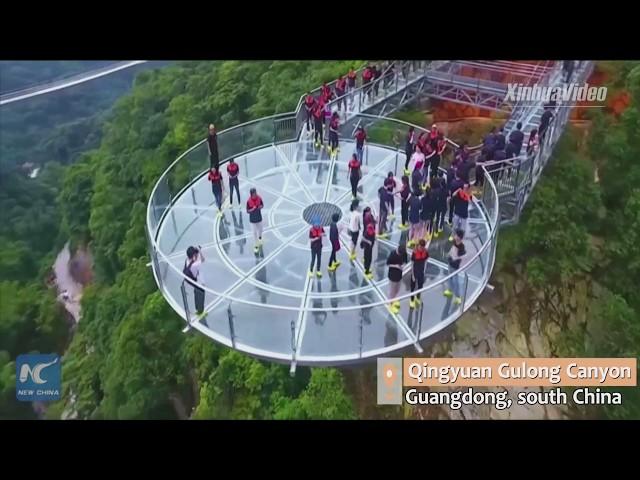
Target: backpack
{"type": "Point", "coordinates": [189, 274]}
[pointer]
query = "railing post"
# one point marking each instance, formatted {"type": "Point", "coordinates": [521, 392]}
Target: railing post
{"type": "Point", "coordinates": [361, 333]}
{"type": "Point", "coordinates": [232, 333]}
{"type": "Point", "coordinates": [154, 258]}
{"type": "Point", "coordinates": [395, 169]}
{"type": "Point", "coordinates": [173, 218]}
{"type": "Point", "coordinates": [193, 198]}
{"type": "Point", "coordinates": [466, 285]}
{"type": "Point", "coordinates": [185, 303]}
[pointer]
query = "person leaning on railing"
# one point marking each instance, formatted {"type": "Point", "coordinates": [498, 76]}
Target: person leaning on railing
{"type": "Point", "coordinates": [409, 148]}
{"type": "Point", "coordinates": [351, 85]}
{"type": "Point", "coordinates": [454, 259]}
{"type": "Point", "coordinates": [309, 105]}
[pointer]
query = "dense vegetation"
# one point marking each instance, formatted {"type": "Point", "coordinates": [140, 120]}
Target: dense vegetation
{"type": "Point", "coordinates": [128, 358]}
{"type": "Point", "coordinates": [50, 132]}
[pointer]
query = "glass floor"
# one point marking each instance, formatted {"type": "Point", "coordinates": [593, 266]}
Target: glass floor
{"type": "Point", "coordinates": [265, 303]}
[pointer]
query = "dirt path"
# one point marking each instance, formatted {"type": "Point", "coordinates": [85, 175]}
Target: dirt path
{"type": "Point", "coordinates": [69, 291]}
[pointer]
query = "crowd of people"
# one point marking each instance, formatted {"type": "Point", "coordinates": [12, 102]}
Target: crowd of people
{"type": "Point", "coordinates": [428, 196]}
{"type": "Point", "coordinates": [320, 118]}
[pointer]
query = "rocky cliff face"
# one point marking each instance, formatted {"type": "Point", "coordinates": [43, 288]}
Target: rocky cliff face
{"type": "Point", "coordinates": [515, 320]}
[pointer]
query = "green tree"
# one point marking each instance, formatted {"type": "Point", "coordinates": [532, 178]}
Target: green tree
{"type": "Point", "coordinates": [324, 398]}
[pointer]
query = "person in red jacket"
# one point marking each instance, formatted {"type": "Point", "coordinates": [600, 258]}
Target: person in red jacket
{"type": "Point", "coordinates": [326, 93]}
{"type": "Point", "coordinates": [361, 137]}
{"type": "Point", "coordinates": [254, 209]}
{"type": "Point", "coordinates": [419, 259]}
{"type": "Point", "coordinates": [441, 146]}
{"type": "Point", "coordinates": [334, 124]}
{"type": "Point", "coordinates": [318, 122]}
{"type": "Point", "coordinates": [233, 170]}
{"type": "Point", "coordinates": [367, 76]}
{"type": "Point", "coordinates": [309, 104]}
{"type": "Point", "coordinates": [355, 174]}
{"type": "Point", "coordinates": [217, 187]}
{"type": "Point", "coordinates": [351, 84]}
{"type": "Point", "coordinates": [315, 237]}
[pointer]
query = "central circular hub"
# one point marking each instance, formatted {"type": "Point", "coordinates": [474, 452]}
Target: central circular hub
{"type": "Point", "coordinates": [321, 212]}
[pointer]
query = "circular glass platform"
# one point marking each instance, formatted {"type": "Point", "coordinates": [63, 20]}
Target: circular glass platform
{"type": "Point", "coordinates": [265, 303]}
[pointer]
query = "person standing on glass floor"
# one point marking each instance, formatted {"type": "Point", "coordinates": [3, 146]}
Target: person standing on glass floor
{"type": "Point", "coordinates": [217, 187]}
{"type": "Point", "coordinates": [254, 209]}
{"type": "Point", "coordinates": [315, 238]}
{"type": "Point", "coordinates": [194, 277]}
{"type": "Point", "coordinates": [234, 171]}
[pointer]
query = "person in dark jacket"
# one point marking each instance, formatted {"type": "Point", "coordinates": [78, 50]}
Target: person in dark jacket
{"type": "Point", "coordinates": [254, 209]}
{"type": "Point", "coordinates": [501, 140]}
{"type": "Point", "coordinates": [355, 174]}
{"type": "Point", "coordinates": [212, 146]}
{"type": "Point", "coordinates": [404, 193]}
{"type": "Point", "coordinates": [417, 177]}
{"type": "Point", "coordinates": [427, 212]}
{"type": "Point", "coordinates": [191, 271]}
{"type": "Point", "coordinates": [334, 238]}
{"type": "Point", "coordinates": [482, 161]}
{"type": "Point", "coordinates": [419, 260]}
{"type": "Point", "coordinates": [315, 238]}
{"type": "Point", "coordinates": [462, 154]}
{"type": "Point", "coordinates": [517, 138]}
{"type": "Point", "coordinates": [462, 199]}
{"type": "Point", "coordinates": [545, 120]}
{"type": "Point", "coordinates": [440, 194]}
{"type": "Point", "coordinates": [390, 186]}
{"type": "Point", "coordinates": [383, 196]}
{"type": "Point", "coordinates": [368, 239]}
{"type": "Point", "coordinates": [455, 184]}
{"type": "Point", "coordinates": [396, 259]}
{"type": "Point", "coordinates": [465, 168]}
{"type": "Point", "coordinates": [414, 216]}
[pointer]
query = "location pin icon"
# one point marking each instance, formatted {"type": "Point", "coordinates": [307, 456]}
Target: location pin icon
{"type": "Point", "coordinates": [390, 375]}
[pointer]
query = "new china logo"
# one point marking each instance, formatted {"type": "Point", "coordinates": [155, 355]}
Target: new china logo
{"type": "Point", "coordinates": [38, 378]}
